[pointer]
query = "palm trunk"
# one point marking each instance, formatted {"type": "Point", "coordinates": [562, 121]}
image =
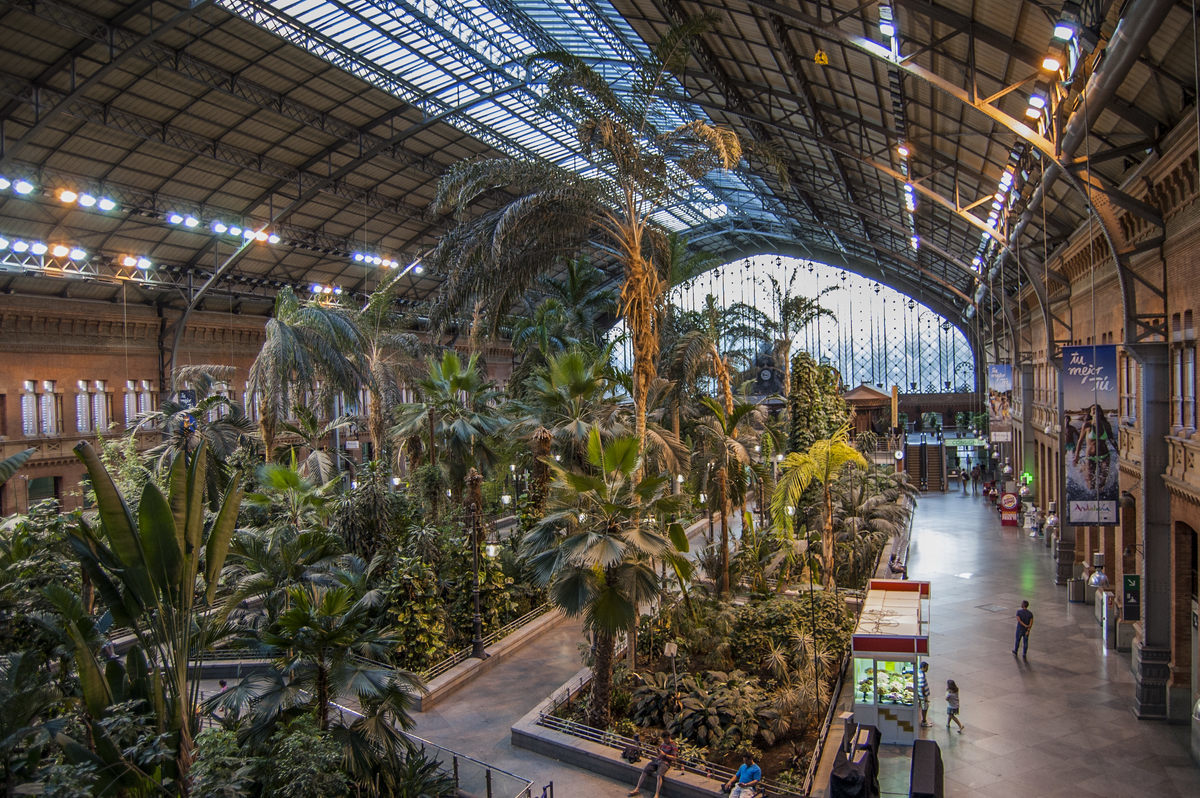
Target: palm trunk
{"type": "Point", "coordinates": [827, 542]}
{"type": "Point", "coordinates": [785, 348]}
{"type": "Point", "coordinates": [723, 489]}
{"type": "Point", "coordinates": [266, 428]}
{"type": "Point", "coordinates": [539, 475]}
{"type": "Point", "coordinates": [322, 697]}
{"type": "Point", "coordinates": [602, 680]}
{"type": "Point", "coordinates": [375, 425]}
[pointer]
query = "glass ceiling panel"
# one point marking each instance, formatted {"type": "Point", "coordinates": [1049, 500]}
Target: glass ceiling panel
{"type": "Point", "coordinates": [464, 61]}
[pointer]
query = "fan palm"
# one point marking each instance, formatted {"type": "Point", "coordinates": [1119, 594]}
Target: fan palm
{"type": "Point", "coordinates": [554, 213]}
{"type": "Point", "coordinates": [207, 416]}
{"type": "Point", "coordinates": [317, 464]}
{"type": "Point", "coordinates": [572, 395]}
{"type": "Point", "coordinates": [822, 463]}
{"type": "Point", "coordinates": [595, 547]}
{"type": "Point", "coordinates": [305, 343]}
{"type": "Point", "coordinates": [459, 412]}
{"type": "Point", "coordinates": [723, 454]}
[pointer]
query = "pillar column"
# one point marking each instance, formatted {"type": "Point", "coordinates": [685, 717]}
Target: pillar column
{"type": "Point", "coordinates": [1152, 654]}
{"type": "Point", "coordinates": [1026, 459]}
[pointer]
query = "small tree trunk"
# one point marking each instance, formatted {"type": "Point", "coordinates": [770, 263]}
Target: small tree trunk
{"type": "Point", "coordinates": [322, 697]}
{"type": "Point", "coordinates": [602, 680]}
{"type": "Point", "coordinates": [375, 425]}
{"type": "Point", "coordinates": [827, 542]}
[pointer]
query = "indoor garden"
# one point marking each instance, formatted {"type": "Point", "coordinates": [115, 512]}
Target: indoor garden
{"type": "Point", "coordinates": [686, 485]}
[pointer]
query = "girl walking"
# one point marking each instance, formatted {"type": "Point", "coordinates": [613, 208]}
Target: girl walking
{"type": "Point", "coordinates": [952, 706]}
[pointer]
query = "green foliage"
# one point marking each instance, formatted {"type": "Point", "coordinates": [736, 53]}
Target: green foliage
{"type": "Point", "coordinates": [779, 622]}
{"type": "Point", "coordinates": [373, 516]}
{"type": "Point", "coordinates": [421, 776]}
{"type": "Point", "coordinates": [123, 460]}
{"type": "Point", "coordinates": [34, 554]}
{"type": "Point", "coordinates": [304, 762]}
{"type": "Point", "coordinates": [415, 606]}
{"type": "Point", "coordinates": [11, 465]}
{"type": "Point", "coordinates": [815, 405]}
{"type": "Point", "coordinates": [223, 769]}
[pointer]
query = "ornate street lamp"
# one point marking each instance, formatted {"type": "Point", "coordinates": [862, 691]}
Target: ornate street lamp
{"type": "Point", "coordinates": [474, 482]}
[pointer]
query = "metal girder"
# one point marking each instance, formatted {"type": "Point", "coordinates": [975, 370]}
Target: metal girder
{"type": "Point", "coordinates": [962, 23]}
{"type": "Point", "coordinates": [169, 135]}
{"type": "Point", "coordinates": [67, 101]}
{"type": "Point", "coordinates": [215, 78]}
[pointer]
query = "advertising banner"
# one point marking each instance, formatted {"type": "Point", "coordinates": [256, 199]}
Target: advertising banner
{"type": "Point", "coordinates": [1000, 390]}
{"type": "Point", "coordinates": [1089, 386]}
{"type": "Point", "coordinates": [1010, 509]}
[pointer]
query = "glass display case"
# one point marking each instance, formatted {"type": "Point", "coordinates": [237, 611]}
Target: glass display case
{"type": "Point", "coordinates": [889, 643]}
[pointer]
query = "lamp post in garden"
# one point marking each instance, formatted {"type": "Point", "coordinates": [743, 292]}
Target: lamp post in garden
{"type": "Point", "coordinates": [474, 508]}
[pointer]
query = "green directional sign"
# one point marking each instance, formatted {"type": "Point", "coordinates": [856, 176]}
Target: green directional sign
{"type": "Point", "coordinates": [964, 441]}
{"type": "Point", "coordinates": [1131, 597]}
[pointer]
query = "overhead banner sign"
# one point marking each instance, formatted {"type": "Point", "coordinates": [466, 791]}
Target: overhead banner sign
{"type": "Point", "coordinates": [1000, 389]}
{"type": "Point", "coordinates": [1089, 385]}
{"type": "Point", "coordinates": [972, 441]}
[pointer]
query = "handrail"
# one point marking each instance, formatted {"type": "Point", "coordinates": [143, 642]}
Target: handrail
{"type": "Point", "coordinates": [524, 786]}
{"type": "Point", "coordinates": [814, 761]}
{"type": "Point", "coordinates": [463, 654]}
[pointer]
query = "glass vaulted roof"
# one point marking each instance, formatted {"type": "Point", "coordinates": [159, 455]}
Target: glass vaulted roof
{"type": "Point", "coordinates": [464, 62]}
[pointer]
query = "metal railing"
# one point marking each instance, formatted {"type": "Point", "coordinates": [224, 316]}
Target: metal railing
{"type": "Point", "coordinates": [463, 654]}
{"type": "Point", "coordinates": [471, 776]}
{"type": "Point", "coordinates": [814, 761]}
{"type": "Point", "coordinates": [700, 767]}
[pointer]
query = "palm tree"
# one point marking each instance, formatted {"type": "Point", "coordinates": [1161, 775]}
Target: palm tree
{"type": "Point", "coordinates": [306, 343]}
{"type": "Point", "coordinates": [572, 395]}
{"type": "Point", "coordinates": [386, 358]}
{"type": "Point", "coordinates": [582, 292]}
{"type": "Point", "coordinates": [723, 455]}
{"type": "Point", "coordinates": [185, 425]}
{"type": "Point", "coordinates": [822, 463]}
{"type": "Point", "coordinates": [871, 507]}
{"type": "Point", "coordinates": [789, 314]}
{"type": "Point", "coordinates": [459, 412]}
{"type": "Point", "coordinates": [553, 212]}
{"type": "Point", "coordinates": [317, 465]}
{"type": "Point", "coordinates": [595, 547]}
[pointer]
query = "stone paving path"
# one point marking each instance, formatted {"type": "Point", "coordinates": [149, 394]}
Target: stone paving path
{"type": "Point", "coordinates": [1057, 724]}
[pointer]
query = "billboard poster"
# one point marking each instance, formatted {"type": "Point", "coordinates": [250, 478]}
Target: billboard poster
{"type": "Point", "coordinates": [1000, 390]}
{"type": "Point", "coordinates": [1089, 386]}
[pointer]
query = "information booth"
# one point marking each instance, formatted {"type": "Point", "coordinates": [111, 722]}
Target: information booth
{"type": "Point", "coordinates": [890, 642]}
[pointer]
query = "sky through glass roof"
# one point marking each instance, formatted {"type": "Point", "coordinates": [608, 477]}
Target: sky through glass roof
{"type": "Point", "coordinates": [465, 62]}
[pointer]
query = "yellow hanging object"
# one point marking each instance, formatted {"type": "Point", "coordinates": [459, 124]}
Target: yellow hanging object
{"type": "Point", "coordinates": [821, 58]}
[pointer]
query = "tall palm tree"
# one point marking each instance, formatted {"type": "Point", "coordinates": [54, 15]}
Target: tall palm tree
{"type": "Point", "coordinates": [386, 359]}
{"type": "Point", "coordinates": [306, 343]}
{"type": "Point", "coordinates": [460, 413]}
{"type": "Point", "coordinates": [722, 454]}
{"type": "Point", "coordinates": [790, 313]}
{"type": "Point", "coordinates": [595, 547]}
{"type": "Point", "coordinates": [822, 463]}
{"type": "Point", "coordinates": [554, 212]}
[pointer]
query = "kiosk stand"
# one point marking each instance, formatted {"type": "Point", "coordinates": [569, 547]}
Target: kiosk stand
{"type": "Point", "coordinates": [891, 640]}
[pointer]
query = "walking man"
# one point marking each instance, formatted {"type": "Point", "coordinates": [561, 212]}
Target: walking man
{"type": "Point", "coordinates": [1024, 624]}
{"type": "Point", "coordinates": [923, 694]}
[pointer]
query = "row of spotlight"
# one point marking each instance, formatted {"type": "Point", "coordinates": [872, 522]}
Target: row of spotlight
{"type": "Point", "coordinates": [25, 187]}
{"type": "Point", "coordinates": [42, 249]}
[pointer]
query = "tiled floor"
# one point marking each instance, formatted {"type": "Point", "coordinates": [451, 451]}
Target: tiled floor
{"type": "Point", "coordinates": [1059, 723]}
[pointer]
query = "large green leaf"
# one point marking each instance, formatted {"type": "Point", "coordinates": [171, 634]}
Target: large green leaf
{"type": "Point", "coordinates": [156, 523]}
{"type": "Point", "coordinates": [679, 537]}
{"type": "Point", "coordinates": [177, 494]}
{"type": "Point", "coordinates": [220, 536]}
{"type": "Point", "coordinates": [11, 465]}
{"type": "Point", "coordinates": [115, 516]}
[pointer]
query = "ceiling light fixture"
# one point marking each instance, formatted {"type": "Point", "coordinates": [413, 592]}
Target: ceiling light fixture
{"type": "Point", "coordinates": [22, 186]}
{"type": "Point", "coordinates": [105, 204]}
{"type": "Point", "coordinates": [67, 196]}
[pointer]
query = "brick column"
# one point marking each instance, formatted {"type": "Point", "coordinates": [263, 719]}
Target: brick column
{"type": "Point", "coordinates": [1183, 559]}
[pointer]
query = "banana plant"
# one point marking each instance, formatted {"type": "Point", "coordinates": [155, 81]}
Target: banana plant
{"type": "Point", "coordinates": [156, 569]}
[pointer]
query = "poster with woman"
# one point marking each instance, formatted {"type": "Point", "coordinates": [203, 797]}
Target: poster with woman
{"type": "Point", "coordinates": [1089, 385]}
{"type": "Point", "coordinates": [1000, 390]}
